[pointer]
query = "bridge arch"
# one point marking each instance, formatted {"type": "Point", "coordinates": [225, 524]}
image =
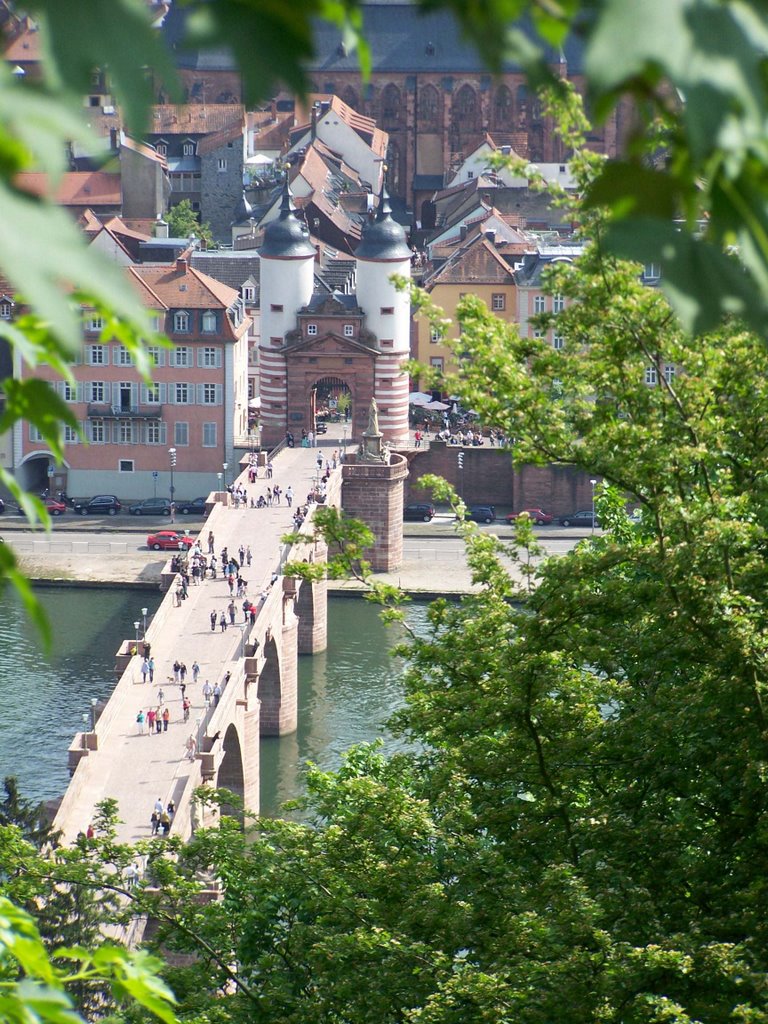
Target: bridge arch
{"type": "Point", "coordinates": [231, 775]}
{"type": "Point", "coordinates": [269, 690]}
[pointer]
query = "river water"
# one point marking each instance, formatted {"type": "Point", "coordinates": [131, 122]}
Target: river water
{"type": "Point", "coordinates": [345, 694]}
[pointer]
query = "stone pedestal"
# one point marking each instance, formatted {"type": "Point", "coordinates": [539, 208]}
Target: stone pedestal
{"type": "Point", "coordinates": [373, 492]}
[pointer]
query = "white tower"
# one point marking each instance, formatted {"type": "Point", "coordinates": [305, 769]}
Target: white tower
{"type": "Point", "coordinates": [287, 281]}
{"type": "Point", "coordinates": [383, 251]}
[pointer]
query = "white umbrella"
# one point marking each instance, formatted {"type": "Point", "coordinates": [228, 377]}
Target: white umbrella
{"type": "Point", "coordinates": [419, 398]}
{"type": "Point", "coordinates": [437, 406]}
{"type": "Point", "coordinates": [255, 403]}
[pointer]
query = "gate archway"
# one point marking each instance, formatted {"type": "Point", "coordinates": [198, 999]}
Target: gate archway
{"type": "Point", "coordinates": [331, 400]}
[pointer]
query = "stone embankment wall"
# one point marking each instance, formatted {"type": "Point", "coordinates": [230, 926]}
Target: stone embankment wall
{"type": "Point", "coordinates": [488, 476]}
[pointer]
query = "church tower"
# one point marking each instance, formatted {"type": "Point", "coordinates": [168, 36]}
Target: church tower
{"type": "Point", "coordinates": [287, 281]}
{"type": "Point", "coordinates": [383, 251]}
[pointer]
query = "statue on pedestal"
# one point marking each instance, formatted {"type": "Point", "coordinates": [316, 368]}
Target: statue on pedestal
{"type": "Point", "coordinates": [372, 447]}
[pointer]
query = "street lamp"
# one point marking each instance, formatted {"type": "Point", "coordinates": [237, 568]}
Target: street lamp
{"type": "Point", "coordinates": [172, 454]}
{"type": "Point", "coordinates": [136, 627]}
{"type": "Point", "coordinates": [218, 475]}
{"type": "Point", "coordinates": [592, 484]}
{"type": "Point", "coordinates": [224, 466]}
{"type": "Point", "coordinates": [243, 628]}
{"type": "Point", "coordinates": [86, 716]}
{"type": "Point", "coordinates": [93, 714]}
{"type": "Point", "coordinates": [144, 619]}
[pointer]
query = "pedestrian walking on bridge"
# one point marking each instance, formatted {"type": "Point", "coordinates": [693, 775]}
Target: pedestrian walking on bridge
{"type": "Point", "coordinates": [213, 620]}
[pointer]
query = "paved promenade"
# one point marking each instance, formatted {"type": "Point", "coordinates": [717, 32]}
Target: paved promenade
{"type": "Point", "coordinates": [136, 768]}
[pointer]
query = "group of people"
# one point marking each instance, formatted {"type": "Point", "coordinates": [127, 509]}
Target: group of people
{"type": "Point", "coordinates": [155, 719]}
{"type": "Point", "coordinates": [162, 817]}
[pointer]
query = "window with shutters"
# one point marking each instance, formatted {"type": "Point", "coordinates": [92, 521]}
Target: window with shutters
{"type": "Point", "coordinates": [651, 376]}
{"type": "Point", "coordinates": [126, 432]}
{"type": "Point", "coordinates": [539, 304]}
{"type": "Point", "coordinates": [96, 355]}
{"type": "Point", "coordinates": [69, 391]}
{"type": "Point", "coordinates": [558, 304]}
{"type": "Point", "coordinates": [34, 434]}
{"type": "Point", "coordinates": [181, 322]}
{"type": "Point", "coordinates": [669, 372]}
{"type": "Point", "coordinates": [209, 322]}
{"type": "Point", "coordinates": [209, 357]}
{"type": "Point", "coordinates": [153, 434]}
{"type": "Point", "coordinates": [94, 323]}
{"type": "Point", "coordinates": [156, 355]}
{"type": "Point", "coordinates": [181, 356]}
{"type": "Point", "coordinates": [6, 310]}
{"type": "Point", "coordinates": [97, 391]}
{"type": "Point", "coordinates": [152, 394]}
{"type": "Point", "coordinates": [435, 334]}
{"type": "Point", "coordinates": [181, 434]}
{"type": "Point", "coordinates": [209, 393]}
{"type": "Point", "coordinates": [558, 341]}
{"type": "Point", "coordinates": [96, 431]}
{"type": "Point", "coordinates": [209, 435]}
{"type": "Point", "coordinates": [70, 435]}
{"type": "Point", "coordinates": [181, 394]}
{"type": "Point", "coordinates": [122, 356]}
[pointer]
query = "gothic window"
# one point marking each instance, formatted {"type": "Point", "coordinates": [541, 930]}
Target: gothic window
{"type": "Point", "coordinates": [522, 103]}
{"type": "Point", "coordinates": [429, 109]}
{"type": "Point", "coordinates": [466, 113]}
{"type": "Point", "coordinates": [502, 109]}
{"type": "Point", "coordinates": [349, 96]}
{"type": "Point", "coordinates": [390, 107]}
{"type": "Point", "coordinates": [394, 169]}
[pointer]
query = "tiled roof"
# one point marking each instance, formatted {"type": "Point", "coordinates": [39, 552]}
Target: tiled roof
{"type": "Point", "coordinates": [187, 288]}
{"type": "Point", "coordinates": [194, 118]}
{"type": "Point", "coordinates": [141, 147]}
{"type": "Point", "coordinates": [76, 188]}
{"type": "Point", "coordinates": [230, 267]}
{"type": "Point", "coordinates": [217, 139]}
{"type": "Point", "coordinates": [24, 48]}
{"type": "Point", "coordinates": [476, 262]}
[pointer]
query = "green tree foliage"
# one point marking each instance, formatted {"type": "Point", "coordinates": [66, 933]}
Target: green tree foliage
{"type": "Point", "coordinates": [183, 222]}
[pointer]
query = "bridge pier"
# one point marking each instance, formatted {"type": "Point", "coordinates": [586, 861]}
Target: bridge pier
{"type": "Point", "coordinates": [373, 492]}
{"type": "Point", "coordinates": [312, 607]}
{"type": "Point", "coordinates": [278, 679]}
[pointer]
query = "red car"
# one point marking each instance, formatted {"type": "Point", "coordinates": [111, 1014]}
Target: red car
{"type": "Point", "coordinates": [168, 540]}
{"type": "Point", "coordinates": [53, 507]}
{"type": "Point", "coordinates": [538, 515]}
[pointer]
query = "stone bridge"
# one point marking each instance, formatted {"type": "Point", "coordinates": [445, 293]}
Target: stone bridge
{"type": "Point", "coordinates": [255, 665]}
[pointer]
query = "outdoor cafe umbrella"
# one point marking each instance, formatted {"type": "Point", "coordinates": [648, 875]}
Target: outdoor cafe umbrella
{"type": "Point", "coordinates": [437, 406]}
{"type": "Point", "coordinates": [419, 398]}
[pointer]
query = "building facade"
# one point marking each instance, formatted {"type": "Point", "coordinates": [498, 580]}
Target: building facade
{"type": "Point", "coordinates": [316, 347]}
{"type": "Point", "coordinates": [197, 402]}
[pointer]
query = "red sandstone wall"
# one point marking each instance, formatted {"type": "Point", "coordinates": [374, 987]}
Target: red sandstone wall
{"type": "Point", "coordinates": [488, 476]}
{"type": "Point", "coordinates": [374, 494]}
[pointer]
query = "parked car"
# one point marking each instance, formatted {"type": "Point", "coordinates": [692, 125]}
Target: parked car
{"type": "Point", "coordinates": [582, 518]}
{"type": "Point", "coordinates": [321, 427]}
{"type": "Point", "coordinates": [538, 515]}
{"type": "Point", "coordinates": [481, 513]}
{"type": "Point", "coordinates": [98, 505]}
{"type": "Point", "coordinates": [168, 540]}
{"type": "Point", "coordinates": [151, 507]}
{"type": "Point", "coordinates": [190, 508]}
{"type": "Point", "coordinates": [420, 512]}
{"type": "Point", "coordinates": [2, 506]}
{"type": "Point", "coordinates": [52, 507]}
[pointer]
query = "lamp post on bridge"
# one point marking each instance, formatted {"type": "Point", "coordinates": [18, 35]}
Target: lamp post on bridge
{"type": "Point", "coordinates": [225, 466]}
{"type": "Point", "coordinates": [93, 714]}
{"type": "Point", "coordinates": [218, 477]}
{"type": "Point", "coordinates": [86, 716]}
{"type": "Point", "coordinates": [172, 456]}
{"type": "Point", "coordinates": [144, 620]}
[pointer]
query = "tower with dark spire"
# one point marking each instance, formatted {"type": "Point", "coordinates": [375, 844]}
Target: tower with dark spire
{"type": "Point", "coordinates": [287, 280]}
{"type": "Point", "coordinates": [382, 253]}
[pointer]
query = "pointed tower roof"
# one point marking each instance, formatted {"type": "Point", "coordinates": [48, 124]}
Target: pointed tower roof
{"type": "Point", "coordinates": [243, 211]}
{"type": "Point", "coordinates": [287, 237]}
{"type": "Point", "coordinates": [383, 239]}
